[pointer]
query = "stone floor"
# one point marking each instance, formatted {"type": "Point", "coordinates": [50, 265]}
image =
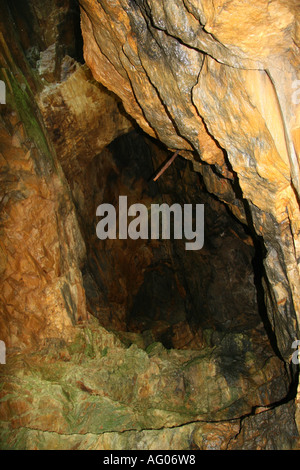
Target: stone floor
{"type": "Point", "coordinates": [99, 392]}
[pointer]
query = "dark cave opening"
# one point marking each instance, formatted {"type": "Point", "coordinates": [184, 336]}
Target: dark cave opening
{"type": "Point", "coordinates": [151, 292]}
{"type": "Point", "coordinates": [40, 25]}
{"type": "Point", "coordinates": [156, 288]}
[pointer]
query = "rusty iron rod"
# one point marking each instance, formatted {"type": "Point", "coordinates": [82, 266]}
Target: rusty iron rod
{"type": "Point", "coordinates": [166, 165]}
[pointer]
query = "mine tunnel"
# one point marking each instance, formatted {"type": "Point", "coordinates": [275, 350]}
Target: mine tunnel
{"type": "Point", "coordinates": [157, 287]}
{"type": "Point", "coordinates": [125, 343]}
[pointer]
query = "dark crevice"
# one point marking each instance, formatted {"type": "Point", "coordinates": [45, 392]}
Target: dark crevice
{"type": "Point", "coordinates": [257, 262]}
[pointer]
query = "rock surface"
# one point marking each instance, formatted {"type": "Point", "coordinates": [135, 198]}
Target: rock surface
{"type": "Point", "coordinates": [204, 76]}
{"type": "Point", "coordinates": [42, 249]}
{"type": "Point", "coordinates": [97, 393]}
{"type": "Point", "coordinates": [78, 102]}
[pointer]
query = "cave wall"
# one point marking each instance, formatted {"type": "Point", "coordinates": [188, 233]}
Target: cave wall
{"type": "Point", "coordinates": [220, 96]}
{"type": "Point", "coordinates": [42, 250]}
{"type": "Point", "coordinates": [188, 83]}
{"type": "Point", "coordinates": [50, 96]}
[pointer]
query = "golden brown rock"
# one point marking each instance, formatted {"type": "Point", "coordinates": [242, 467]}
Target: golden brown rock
{"type": "Point", "coordinates": [82, 118]}
{"type": "Point", "coordinates": [41, 285]}
{"type": "Point", "coordinates": [41, 295]}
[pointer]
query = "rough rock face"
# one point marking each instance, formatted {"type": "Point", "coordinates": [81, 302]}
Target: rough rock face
{"type": "Point", "coordinates": [203, 75]}
{"type": "Point", "coordinates": [78, 102]}
{"type": "Point", "coordinates": [41, 252]}
{"type": "Point", "coordinates": [41, 245]}
{"type": "Point", "coordinates": [42, 249]}
{"type": "Point", "coordinates": [104, 395]}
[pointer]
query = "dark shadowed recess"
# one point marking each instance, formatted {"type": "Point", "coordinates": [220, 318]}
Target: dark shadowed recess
{"type": "Point", "coordinates": [41, 23]}
{"type": "Point", "coordinates": [157, 287]}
